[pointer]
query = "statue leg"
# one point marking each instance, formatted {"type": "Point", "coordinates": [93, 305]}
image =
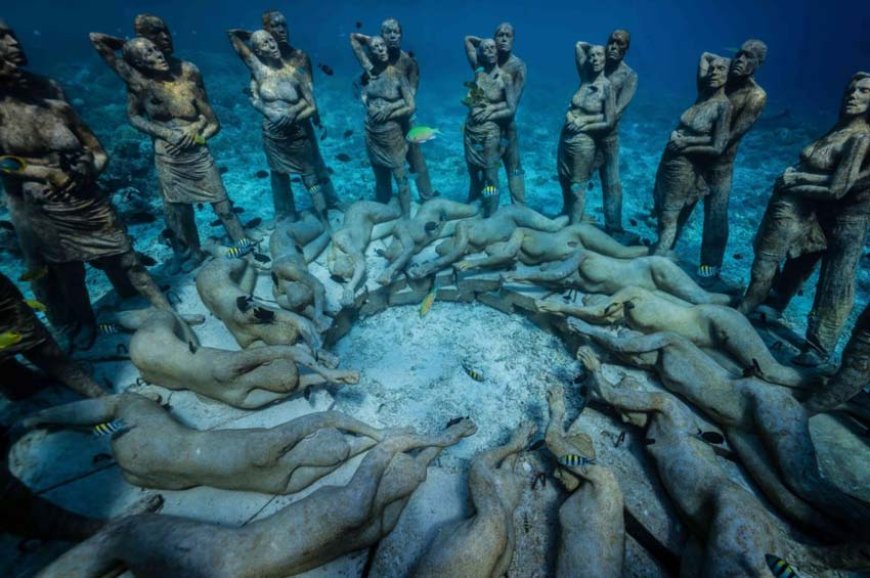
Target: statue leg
{"type": "Point", "coordinates": [669, 277]}
{"type": "Point", "coordinates": [180, 221]}
{"type": "Point", "coordinates": [383, 183]}
{"type": "Point", "coordinates": [513, 167]}
{"type": "Point", "coordinates": [610, 184]}
{"type": "Point", "coordinates": [715, 235]}
{"type": "Point", "coordinates": [490, 191]}
{"type": "Point", "coordinates": [421, 171]}
{"type": "Point", "coordinates": [318, 198]}
{"type": "Point", "coordinates": [83, 326]}
{"type": "Point", "coordinates": [224, 211]}
{"type": "Point", "coordinates": [404, 190]}
{"type": "Point", "coordinates": [49, 358]}
{"type": "Point", "coordinates": [667, 231]}
{"type": "Point", "coordinates": [282, 196]}
{"type": "Point", "coordinates": [139, 278]}
{"type": "Point", "coordinates": [791, 278]}
{"type": "Point", "coordinates": [322, 171]}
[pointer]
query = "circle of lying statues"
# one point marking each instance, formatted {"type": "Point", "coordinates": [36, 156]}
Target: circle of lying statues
{"type": "Point", "coordinates": [444, 360]}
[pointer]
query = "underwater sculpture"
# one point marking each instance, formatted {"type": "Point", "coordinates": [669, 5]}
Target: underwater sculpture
{"type": "Point", "coordinates": [595, 271]}
{"type": "Point", "coordinates": [623, 84]}
{"type": "Point", "coordinates": [476, 234]}
{"type": "Point", "coordinates": [166, 353]}
{"type": "Point", "coordinates": [284, 98]}
{"type": "Point", "coordinates": [21, 333]}
{"type": "Point", "coordinates": [328, 523]}
{"type": "Point", "coordinates": [514, 66]}
{"type": "Point", "coordinates": [346, 256]}
{"type": "Point", "coordinates": [854, 372]}
{"type": "Point", "coordinates": [731, 531]}
{"type": "Point", "coordinates": [747, 101]}
{"type": "Point", "coordinates": [410, 236]}
{"type": "Point", "coordinates": [69, 220]}
{"type": "Point", "coordinates": [764, 424]}
{"type": "Point", "coordinates": [592, 536]}
{"type": "Point", "coordinates": [819, 203]}
{"type": "Point", "coordinates": [166, 100]}
{"type": "Point", "coordinates": [226, 287]}
{"type": "Point", "coordinates": [708, 326]}
{"type": "Point", "coordinates": [699, 139]}
{"type": "Point", "coordinates": [154, 450]}
{"type": "Point", "coordinates": [482, 545]}
{"type": "Point", "coordinates": [406, 64]}
{"type": "Point", "coordinates": [294, 244]}
{"type": "Point", "coordinates": [591, 116]}
{"type": "Point", "coordinates": [389, 100]}
{"type": "Point", "coordinates": [275, 24]}
{"type": "Point", "coordinates": [492, 103]}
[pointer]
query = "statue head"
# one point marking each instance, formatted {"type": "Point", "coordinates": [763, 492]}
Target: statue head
{"type": "Point", "coordinates": [487, 51]}
{"type": "Point", "coordinates": [339, 263]}
{"type": "Point", "coordinates": [10, 48]}
{"type": "Point", "coordinates": [391, 31]}
{"type": "Point", "coordinates": [617, 45]}
{"type": "Point", "coordinates": [265, 46]}
{"type": "Point", "coordinates": [143, 55]}
{"type": "Point", "coordinates": [154, 29]}
{"type": "Point", "coordinates": [717, 73]}
{"type": "Point", "coordinates": [596, 58]}
{"type": "Point", "coordinates": [378, 49]}
{"type": "Point", "coordinates": [504, 37]}
{"type": "Point", "coordinates": [275, 24]}
{"type": "Point", "coordinates": [747, 60]}
{"type": "Point", "coordinates": [856, 100]}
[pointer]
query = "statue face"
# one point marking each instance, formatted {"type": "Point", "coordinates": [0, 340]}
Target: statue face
{"type": "Point", "coordinates": [378, 48]}
{"type": "Point", "coordinates": [596, 58]}
{"type": "Point", "coordinates": [744, 64]}
{"type": "Point", "coordinates": [391, 32]}
{"type": "Point", "coordinates": [265, 46]}
{"type": "Point", "coordinates": [504, 38]}
{"type": "Point", "coordinates": [276, 25]}
{"type": "Point", "coordinates": [617, 47]}
{"type": "Point", "coordinates": [488, 51]}
{"type": "Point", "coordinates": [10, 48]}
{"type": "Point", "coordinates": [856, 101]}
{"type": "Point", "coordinates": [157, 32]}
{"type": "Point", "coordinates": [717, 75]}
{"type": "Point", "coordinates": [9, 72]}
{"type": "Point", "coordinates": [147, 57]}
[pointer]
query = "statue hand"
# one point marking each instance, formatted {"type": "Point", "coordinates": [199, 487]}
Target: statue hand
{"type": "Point", "coordinates": [347, 297]}
{"type": "Point", "coordinates": [588, 359]}
{"type": "Point", "coordinates": [789, 177]}
{"type": "Point", "coordinates": [580, 326]}
{"type": "Point", "coordinates": [463, 265]}
{"type": "Point", "coordinates": [549, 307]}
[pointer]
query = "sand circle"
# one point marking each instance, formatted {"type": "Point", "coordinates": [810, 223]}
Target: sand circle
{"type": "Point", "coordinates": [413, 371]}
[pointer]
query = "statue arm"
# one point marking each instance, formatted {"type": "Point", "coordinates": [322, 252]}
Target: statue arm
{"type": "Point", "coordinates": [209, 123]}
{"type": "Point", "coordinates": [239, 40]}
{"type": "Point", "coordinates": [307, 108]}
{"type": "Point", "coordinates": [581, 56]}
{"type": "Point", "coordinates": [89, 141]}
{"type": "Point", "coordinates": [703, 69]}
{"type": "Point", "coordinates": [718, 140]}
{"type": "Point", "coordinates": [845, 177]}
{"type": "Point", "coordinates": [107, 47]}
{"type": "Point", "coordinates": [83, 413]}
{"type": "Point", "coordinates": [557, 273]}
{"type": "Point", "coordinates": [519, 78]}
{"type": "Point", "coordinates": [137, 115]}
{"type": "Point", "coordinates": [607, 121]}
{"type": "Point", "coordinates": [626, 94]}
{"type": "Point", "coordinates": [358, 42]}
{"type": "Point", "coordinates": [407, 106]}
{"type": "Point", "coordinates": [508, 108]}
{"type": "Point", "coordinates": [471, 44]}
{"type": "Point", "coordinates": [747, 117]}
{"type": "Point", "coordinates": [413, 74]}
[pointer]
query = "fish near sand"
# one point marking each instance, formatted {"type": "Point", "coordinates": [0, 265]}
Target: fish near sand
{"type": "Point", "coordinates": [420, 134]}
{"type": "Point", "coordinates": [779, 567]}
{"type": "Point", "coordinates": [9, 338]}
{"type": "Point", "coordinates": [472, 373]}
{"type": "Point", "coordinates": [427, 302]}
{"type": "Point", "coordinates": [575, 460]}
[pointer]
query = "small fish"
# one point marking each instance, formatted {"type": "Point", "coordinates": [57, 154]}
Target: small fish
{"type": "Point", "coordinates": [324, 134]}
{"type": "Point", "coordinates": [191, 347]}
{"type": "Point", "coordinates": [648, 441]}
{"type": "Point", "coordinates": [420, 134]}
{"type": "Point", "coordinates": [11, 164]}
{"type": "Point", "coordinates": [326, 69]}
{"type": "Point", "coordinates": [632, 221]}
{"type": "Point", "coordinates": [261, 258]}
{"type": "Point", "coordinates": [619, 440]}
{"type": "Point", "coordinates": [7, 226]}
{"type": "Point", "coordinates": [199, 139]}
{"type": "Point", "coordinates": [247, 91]}
{"type": "Point", "coordinates": [738, 256]}
{"type": "Point", "coordinates": [216, 223]}
{"type": "Point", "coordinates": [590, 186]}
{"type": "Point", "coordinates": [472, 373]}
{"type": "Point", "coordinates": [411, 54]}
{"type": "Point", "coordinates": [243, 303]}
{"type": "Point", "coordinates": [536, 445]}
{"type": "Point", "coordinates": [330, 170]}
{"type": "Point", "coordinates": [489, 191]}
{"type": "Point", "coordinates": [140, 218]}
{"type": "Point", "coordinates": [358, 24]}
{"type": "Point", "coordinates": [454, 421]}
{"type": "Point", "coordinates": [36, 305]}
{"type": "Point", "coordinates": [146, 260]}
{"type": "Point", "coordinates": [238, 210]}
{"type": "Point", "coordinates": [238, 252]}
{"type": "Point", "coordinates": [779, 567]}
{"type": "Point", "coordinates": [343, 157]}
{"type": "Point", "coordinates": [427, 302]}
{"type": "Point", "coordinates": [167, 234]}
{"type": "Point", "coordinates": [223, 170]}
{"type": "Point", "coordinates": [245, 243]}
{"type": "Point", "coordinates": [9, 338]}
{"type": "Point", "coordinates": [295, 180]}
{"type": "Point", "coordinates": [527, 525]}
{"type": "Point", "coordinates": [34, 274]}
{"type": "Point", "coordinates": [99, 458]}
{"type": "Point", "coordinates": [110, 427]}
{"type": "Point", "coordinates": [199, 206]}
{"type": "Point", "coordinates": [264, 315]}
{"type": "Point", "coordinates": [255, 222]}
{"type": "Point", "coordinates": [261, 174]}
{"type": "Point", "coordinates": [107, 328]}
{"type": "Point", "coordinates": [575, 460]}
{"type": "Point", "coordinates": [348, 133]}
{"type": "Point", "coordinates": [711, 437]}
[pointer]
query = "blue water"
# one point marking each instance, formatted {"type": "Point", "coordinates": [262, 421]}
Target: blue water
{"type": "Point", "coordinates": [813, 50]}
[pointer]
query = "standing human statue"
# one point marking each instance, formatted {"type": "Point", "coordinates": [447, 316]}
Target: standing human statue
{"type": "Point", "coordinates": [513, 65]}
{"type": "Point", "coordinates": [819, 210]}
{"type": "Point", "coordinates": [590, 117]}
{"type": "Point", "coordinates": [491, 103]}
{"type": "Point", "coordinates": [275, 24]}
{"type": "Point", "coordinates": [166, 100]}
{"type": "Point", "coordinates": [700, 137]}
{"type": "Point", "coordinates": [389, 102]}
{"type": "Point", "coordinates": [282, 95]}
{"type": "Point", "coordinates": [623, 84]}
{"type": "Point", "coordinates": [70, 220]}
{"type": "Point", "coordinates": [747, 100]}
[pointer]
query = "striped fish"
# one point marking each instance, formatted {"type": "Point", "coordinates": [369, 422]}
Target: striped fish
{"type": "Point", "coordinates": [426, 305]}
{"type": "Point", "coordinates": [779, 567]}
{"type": "Point", "coordinates": [108, 428]}
{"type": "Point", "coordinates": [489, 191]}
{"type": "Point", "coordinates": [36, 305]}
{"type": "Point", "coordinates": [472, 373]}
{"type": "Point", "coordinates": [239, 252]}
{"type": "Point", "coordinates": [107, 328]}
{"type": "Point", "coordinates": [575, 460]}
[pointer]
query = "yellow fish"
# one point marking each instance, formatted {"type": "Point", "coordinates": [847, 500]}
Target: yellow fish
{"type": "Point", "coordinates": [11, 164]}
{"type": "Point", "coordinates": [489, 191]}
{"type": "Point", "coordinates": [36, 305]}
{"type": "Point", "coordinates": [110, 427]}
{"type": "Point", "coordinates": [107, 328]}
{"type": "Point", "coordinates": [472, 373]}
{"type": "Point", "coordinates": [574, 460]}
{"type": "Point", "coordinates": [779, 567]}
{"type": "Point", "coordinates": [34, 274]}
{"type": "Point", "coordinates": [428, 300]}
{"type": "Point", "coordinates": [9, 338]}
{"type": "Point", "coordinates": [198, 139]}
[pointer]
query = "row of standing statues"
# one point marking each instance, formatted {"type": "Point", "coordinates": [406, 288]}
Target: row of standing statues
{"type": "Point", "coordinates": [50, 163]}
